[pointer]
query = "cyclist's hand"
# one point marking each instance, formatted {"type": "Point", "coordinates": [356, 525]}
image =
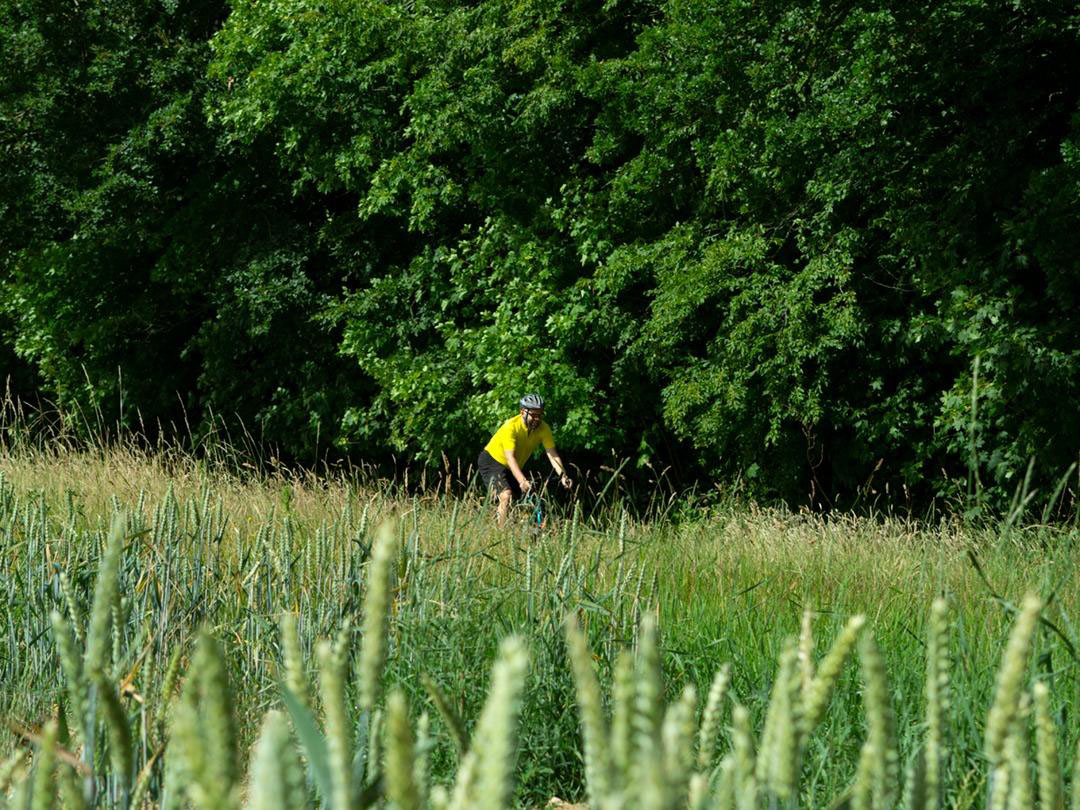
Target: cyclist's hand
{"type": "Point", "coordinates": [564, 479]}
{"type": "Point", "coordinates": [525, 485]}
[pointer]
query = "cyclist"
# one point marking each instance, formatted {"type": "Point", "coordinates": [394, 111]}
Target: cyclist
{"type": "Point", "coordinates": [501, 460]}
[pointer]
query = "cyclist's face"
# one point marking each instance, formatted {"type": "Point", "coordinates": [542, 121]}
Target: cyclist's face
{"type": "Point", "coordinates": [532, 417]}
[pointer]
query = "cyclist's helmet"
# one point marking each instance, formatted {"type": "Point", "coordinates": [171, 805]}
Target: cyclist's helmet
{"type": "Point", "coordinates": [532, 402]}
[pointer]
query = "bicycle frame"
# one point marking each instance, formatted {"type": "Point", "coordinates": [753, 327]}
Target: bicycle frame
{"type": "Point", "coordinates": [536, 503]}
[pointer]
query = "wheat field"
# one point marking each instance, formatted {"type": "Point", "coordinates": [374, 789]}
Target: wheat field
{"type": "Point", "coordinates": [177, 633]}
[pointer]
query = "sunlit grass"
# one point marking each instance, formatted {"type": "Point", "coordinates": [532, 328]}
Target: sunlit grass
{"type": "Point", "coordinates": [224, 548]}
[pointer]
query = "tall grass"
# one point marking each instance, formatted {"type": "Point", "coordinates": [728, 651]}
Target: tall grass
{"type": "Point", "coordinates": [172, 630]}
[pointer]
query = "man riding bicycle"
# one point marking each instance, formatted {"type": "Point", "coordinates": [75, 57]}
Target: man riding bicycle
{"type": "Point", "coordinates": [501, 460]}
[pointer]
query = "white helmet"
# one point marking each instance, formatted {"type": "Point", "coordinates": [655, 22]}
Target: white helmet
{"type": "Point", "coordinates": [532, 402]}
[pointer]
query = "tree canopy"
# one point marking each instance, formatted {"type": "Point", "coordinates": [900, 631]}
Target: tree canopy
{"type": "Point", "coordinates": [799, 245]}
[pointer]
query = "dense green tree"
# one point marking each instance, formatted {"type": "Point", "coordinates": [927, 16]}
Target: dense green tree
{"type": "Point", "coordinates": [839, 186]}
{"type": "Point", "coordinates": [759, 241]}
{"type": "Point", "coordinates": [153, 272]}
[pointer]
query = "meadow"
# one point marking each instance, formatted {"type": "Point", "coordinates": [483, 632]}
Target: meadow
{"type": "Point", "coordinates": [179, 632]}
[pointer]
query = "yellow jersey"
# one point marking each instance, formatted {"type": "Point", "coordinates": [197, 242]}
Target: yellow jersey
{"type": "Point", "coordinates": [515, 437]}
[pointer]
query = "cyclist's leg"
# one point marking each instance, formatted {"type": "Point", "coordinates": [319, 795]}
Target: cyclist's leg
{"type": "Point", "coordinates": [499, 482]}
{"type": "Point", "coordinates": [504, 497]}
{"type": "Point", "coordinates": [508, 489]}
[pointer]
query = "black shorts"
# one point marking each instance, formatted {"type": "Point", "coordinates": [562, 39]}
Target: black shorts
{"type": "Point", "coordinates": [495, 476]}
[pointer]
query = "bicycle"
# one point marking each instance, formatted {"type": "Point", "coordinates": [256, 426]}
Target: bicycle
{"type": "Point", "coordinates": [533, 501]}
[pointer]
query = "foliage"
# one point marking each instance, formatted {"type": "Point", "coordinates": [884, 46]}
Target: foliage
{"type": "Point", "coordinates": [152, 269]}
{"type": "Point", "coordinates": [763, 242]}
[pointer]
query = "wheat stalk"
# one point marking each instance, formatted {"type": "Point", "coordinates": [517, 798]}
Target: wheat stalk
{"type": "Point", "coordinates": [594, 729]}
{"type": "Point", "coordinates": [1007, 691]}
{"type": "Point", "coordinates": [338, 731]}
{"type": "Point", "coordinates": [710, 719]}
{"type": "Point", "coordinates": [401, 786]}
{"type": "Point", "coordinates": [1051, 792]}
{"type": "Point", "coordinates": [376, 609]}
{"type": "Point", "coordinates": [275, 776]}
{"type": "Point", "coordinates": [828, 672]}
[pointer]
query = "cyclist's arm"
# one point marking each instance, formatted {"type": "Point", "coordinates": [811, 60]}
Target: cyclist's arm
{"type": "Point", "coordinates": [557, 464]}
{"type": "Point", "coordinates": [515, 470]}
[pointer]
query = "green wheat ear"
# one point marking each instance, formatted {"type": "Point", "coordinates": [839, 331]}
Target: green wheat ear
{"type": "Point", "coordinates": [710, 719]}
{"type": "Point", "coordinates": [485, 778]}
{"type": "Point", "coordinates": [10, 770]}
{"type": "Point", "coordinates": [98, 638]}
{"type": "Point", "coordinates": [806, 651]}
{"type": "Point", "coordinates": [724, 791]}
{"type": "Point", "coordinates": [1021, 792]}
{"type": "Point", "coordinates": [376, 610]}
{"type": "Point", "coordinates": [698, 796]}
{"type": "Point", "coordinates": [204, 733]}
{"type": "Point", "coordinates": [744, 779]}
{"type": "Point", "coordinates": [1010, 678]}
{"type": "Point", "coordinates": [497, 730]}
{"type": "Point", "coordinates": [120, 746]}
{"type": "Point", "coordinates": [275, 776]}
{"type": "Point", "coordinates": [646, 777]}
{"type": "Point", "coordinates": [71, 790]}
{"type": "Point", "coordinates": [44, 789]}
{"type": "Point", "coordinates": [594, 729]}
{"type": "Point", "coordinates": [165, 693]}
{"type": "Point", "coordinates": [937, 704]}
{"type": "Point", "coordinates": [421, 761]}
{"type": "Point", "coordinates": [623, 695]}
{"type": "Point", "coordinates": [293, 659]}
{"type": "Point", "coordinates": [401, 785]}
{"type": "Point", "coordinates": [816, 699]}
{"type": "Point", "coordinates": [879, 765]}
{"type": "Point", "coordinates": [678, 745]}
{"type": "Point", "coordinates": [71, 664]}
{"type": "Point", "coordinates": [338, 731]}
{"type": "Point", "coordinates": [1051, 791]}
{"type": "Point", "coordinates": [778, 760]}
